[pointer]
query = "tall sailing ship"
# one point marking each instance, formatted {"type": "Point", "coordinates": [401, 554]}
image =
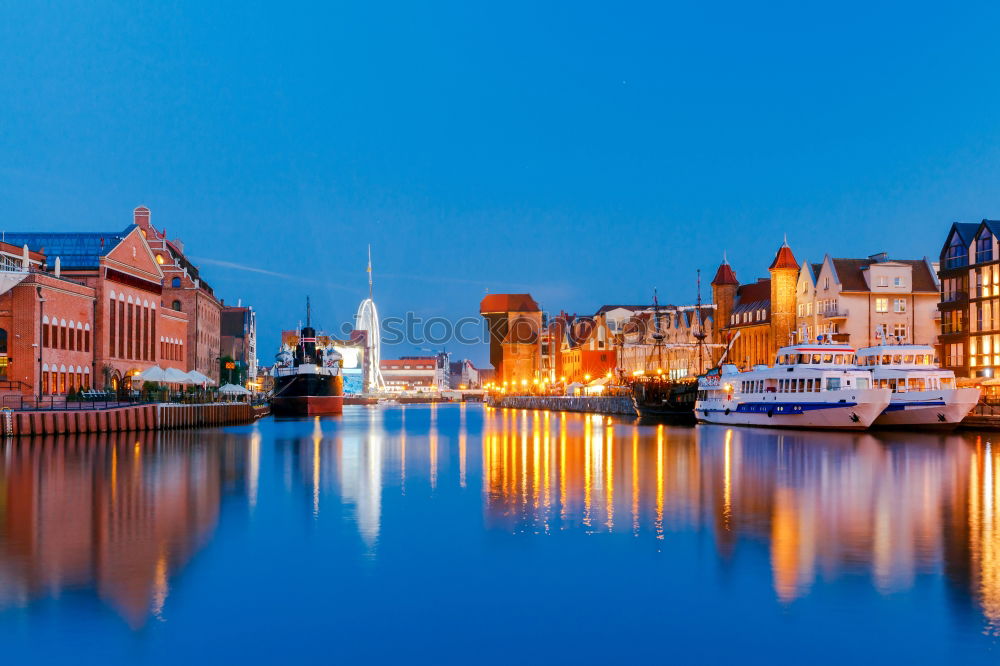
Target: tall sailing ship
{"type": "Point", "coordinates": [308, 381]}
{"type": "Point", "coordinates": [659, 398]}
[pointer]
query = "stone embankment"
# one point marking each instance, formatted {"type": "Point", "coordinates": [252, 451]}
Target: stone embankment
{"type": "Point", "coordinates": [130, 418]}
{"type": "Point", "coordinates": [616, 405]}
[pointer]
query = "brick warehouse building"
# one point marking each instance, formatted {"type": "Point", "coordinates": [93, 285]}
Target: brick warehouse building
{"type": "Point", "coordinates": [132, 331]}
{"type": "Point", "coordinates": [185, 291]}
{"type": "Point", "coordinates": [38, 306]}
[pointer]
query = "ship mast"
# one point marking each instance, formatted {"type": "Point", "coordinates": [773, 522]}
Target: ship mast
{"type": "Point", "coordinates": [308, 312]}
{"type": "Point", "coordinates": [700, 335]}
{"type": "Point", "coordinates": [657, 335]}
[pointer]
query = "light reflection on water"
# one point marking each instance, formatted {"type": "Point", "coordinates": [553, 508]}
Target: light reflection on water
{"type": "Point", "coordinates": [122, 517]}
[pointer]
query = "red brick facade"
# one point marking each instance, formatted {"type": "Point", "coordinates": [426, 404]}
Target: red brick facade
{"type": "Point", "coordinates": [62, 318]}
{"type": "Point", "coordinates": [185, 292]}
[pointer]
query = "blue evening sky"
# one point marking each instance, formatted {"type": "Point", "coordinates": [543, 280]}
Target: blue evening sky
{"type": "Point", "coordinates": [584, 152]}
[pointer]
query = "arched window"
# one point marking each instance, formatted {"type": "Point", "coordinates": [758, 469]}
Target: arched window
{"type": "Point", "coordinates": [176, 305]}
{"type": "Point", "coordinates": [176, 282]}
{"type": "Point", "coordinates": [3, 341]}
{"type": "Point", "coordinates": [159, 258]}
{"type": "Point", "coordinates": [112, 318]}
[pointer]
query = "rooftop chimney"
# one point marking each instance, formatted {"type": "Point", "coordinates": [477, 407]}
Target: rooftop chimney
{"type": "Point", "coordinates": [879, 258]}
{"type": "Point", "coordinates": [140, 216]}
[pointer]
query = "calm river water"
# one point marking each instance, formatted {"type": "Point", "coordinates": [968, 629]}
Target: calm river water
{"type": "Point", "coordinates": [461, 534]}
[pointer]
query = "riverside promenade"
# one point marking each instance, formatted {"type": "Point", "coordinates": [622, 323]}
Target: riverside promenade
{"type": "Point", "coordinates": [617, 405]}
{"type": "Point", "coordinates": [154, 416]}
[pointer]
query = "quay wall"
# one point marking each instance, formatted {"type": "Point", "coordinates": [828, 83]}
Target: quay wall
{"type": "Point", "coordinates": [126, 419]}
{"type": "Point", "coordinates": [616, 405]}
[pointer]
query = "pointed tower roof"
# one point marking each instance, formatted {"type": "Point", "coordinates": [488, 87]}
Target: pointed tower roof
{"type": "Point", "coordinates": [784, 258]}
{"type": "Point", "coordinates": [725, 274]}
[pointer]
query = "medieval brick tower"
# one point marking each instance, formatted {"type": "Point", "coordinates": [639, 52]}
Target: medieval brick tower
{"type": "Point", "coordinates": [515, 325]}
{"type": "Point", "coordinates": [784, 277]}
{"type": "Point", "coordinates": [724, 287]}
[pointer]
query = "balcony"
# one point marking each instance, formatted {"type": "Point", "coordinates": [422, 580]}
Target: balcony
{"type": "Point", "coordinates": [835, 314]}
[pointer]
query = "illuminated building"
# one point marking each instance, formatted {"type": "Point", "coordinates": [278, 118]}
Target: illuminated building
{"type": "Point", "coordinates": [185, 290]}
{"type": "Point", "coordinates": [515, 326]}
{"type": "Point", "coordinates": [416, 373]}
{"type": "Point", "coordinates": [853, 299]}
{"type": "Point", "coordinates": [131, 329]}
{"type": "Point", "coordinates": [238, 337]}
{"type": "Point", "coordinates": [680, 354]}
{"type": "Point", "coordinates": [970, 300]}
{"type": "Point", "coordinates": [757, 317]}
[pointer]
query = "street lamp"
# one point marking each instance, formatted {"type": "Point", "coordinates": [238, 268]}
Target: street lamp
{"type": "Point", "coordinates": [41, 306]}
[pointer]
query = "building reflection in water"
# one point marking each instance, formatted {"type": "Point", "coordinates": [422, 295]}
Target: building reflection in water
{"type": "Point", "coordinates": [890, 506]}
{"type": "Point", "coordinates": [115, 513]}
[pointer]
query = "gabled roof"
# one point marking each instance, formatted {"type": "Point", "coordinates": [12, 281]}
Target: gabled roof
{"type": "Point", "coordinates": [965, 230]}
{"type": "Point", "coordinates": [813, 270]}
{"type": "Point", "coordinates": [850, 273]}
{"type": "Point", "coordinates": [76, 250]}
{"type": "Point", "coordinates": [633, 308]}
{"type": "Point", "coordinates": [993, 226]}
{"type": "Point", "coordinates": [508, 303]}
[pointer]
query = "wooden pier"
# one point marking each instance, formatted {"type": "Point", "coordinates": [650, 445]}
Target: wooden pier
{"type": "Point", "coordinates": [161, 416]}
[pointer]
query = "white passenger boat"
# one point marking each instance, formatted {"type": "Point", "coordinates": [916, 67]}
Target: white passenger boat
{"type": "Point", "coordinates": [923, 395]}
{"type": "Point", "coordinates": [809, 386]}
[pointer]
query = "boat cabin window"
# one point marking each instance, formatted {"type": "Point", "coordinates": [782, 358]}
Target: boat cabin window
{"type": "Point", "coordinates": [862, 382]}
{"type": "Point", "coordinates": [908, 358]}
{"type": "Point", "coordinates": [947, 382]}
{"type": "Point", "coordinates": [828, 358]}
{"type": "Point", "coordinates": [897, 358]}
{"type": "Point", "coordinates": [833, 383]}
{"type": "Point", "coordinates": [886, 359]}
{"type": "Point", "coordinates": [917, 384]}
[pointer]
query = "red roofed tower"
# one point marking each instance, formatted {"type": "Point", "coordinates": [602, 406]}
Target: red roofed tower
{"type": "Point", "coordinates": [784, 276]}
{"type": "Point", "coordinates": [515, 323]}
{"type": "Point", "coordinates": [724, 287]}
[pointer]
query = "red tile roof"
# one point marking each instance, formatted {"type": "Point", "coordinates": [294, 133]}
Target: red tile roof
{"type": "Point", "coordinates": [725, 275]}
{"type": "Point", "coordinates": [784, 259]}
{"type": "Point", "coordinates": [508, 303]}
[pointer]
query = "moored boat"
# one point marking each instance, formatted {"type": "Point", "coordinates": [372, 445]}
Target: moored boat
{"type": "Point", "coordinates": [922, 394]}
{"type": "Point", "coordinates": [665, 400]}
{"type": "Point", "coordinates": [308, 382]}
{"type": "Point", "coordinates": [809, 386]}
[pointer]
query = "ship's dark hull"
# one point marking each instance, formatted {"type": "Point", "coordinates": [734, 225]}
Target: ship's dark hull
{"type": "Point", "coordinates": [308, 395]}
{"type": "Point", "coordinates": [665, 401]}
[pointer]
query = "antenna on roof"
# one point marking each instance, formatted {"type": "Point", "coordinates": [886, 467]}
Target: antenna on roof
{"type": "Point", "coordinates": [785, 243]}
{"type": "Point", "coordinates": [725, 258]}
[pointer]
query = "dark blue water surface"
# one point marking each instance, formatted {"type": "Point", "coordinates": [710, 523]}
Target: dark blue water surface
{"type": "Point", "coordinates": [462, 534]}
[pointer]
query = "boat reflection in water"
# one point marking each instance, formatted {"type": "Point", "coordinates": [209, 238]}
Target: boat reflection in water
{"type": "Point", "coordinates": [356, 522]}
{"type": "Point", "coordinates": [890, 506]}
{"type": "Point", "coordinates": [116, 513]}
